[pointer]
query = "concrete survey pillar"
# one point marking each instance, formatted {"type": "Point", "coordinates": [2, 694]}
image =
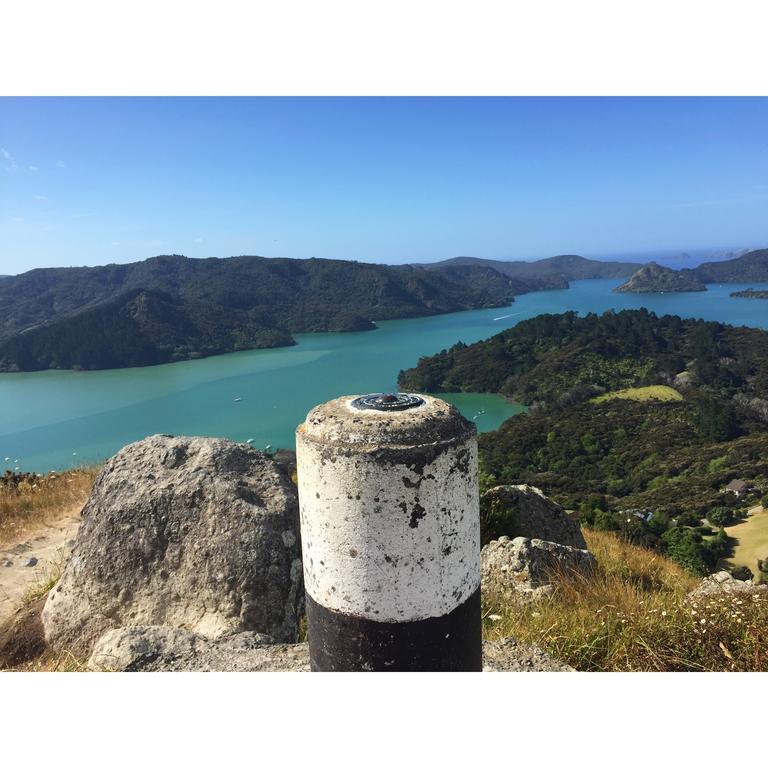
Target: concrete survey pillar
{"type": "Point", "coordinates": [390, 529]}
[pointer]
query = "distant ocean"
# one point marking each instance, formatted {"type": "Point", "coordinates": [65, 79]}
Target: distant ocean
{"type": "Point", "coordinates": [675, 259]}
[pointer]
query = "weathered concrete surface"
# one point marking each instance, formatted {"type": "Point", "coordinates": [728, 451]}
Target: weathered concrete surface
{"type": "Point", "coordinates": [199, 533]}
{"type": "Point", "coordinates": [166, 649]}
{"type": "Point", "coordinates": [523, 567]}
{"type": "Point", "coordinates": [337, 422]}
{"type": "Point", "coordinates": [389, 509]}
{"type": "Point", "coordinates": [533, 516]}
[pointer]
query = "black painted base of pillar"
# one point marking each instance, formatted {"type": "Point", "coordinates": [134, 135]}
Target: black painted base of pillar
{"type": "Point", "coordinates": [341, 643]}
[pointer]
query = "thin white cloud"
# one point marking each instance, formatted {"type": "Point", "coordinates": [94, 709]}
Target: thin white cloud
{"type": "Point", "coordinates": [8, 160]}
{"type": "Point", "coordinates": [16, 219]}
{"type": "Point", "coordinates": [33, 168]}
{"type": "Point", "coordinates": [115, 242]}
{"type": "Point", "coordinates": [40, 198]}
{"type": "Point", "coordinates": [61, 164]}
{"type": "Point", "coordinates": [198, 240]}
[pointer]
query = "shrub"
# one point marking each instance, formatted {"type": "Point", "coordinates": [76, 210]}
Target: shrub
{"type": "Point", "coordinates": [742, 573]}
{"type": "Point", "coordinates": [496, 520]}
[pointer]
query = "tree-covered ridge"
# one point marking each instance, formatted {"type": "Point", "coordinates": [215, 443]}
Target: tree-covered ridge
{"type": "Point", "coordinates": [284, 291]}
{"type": "Point", "coordinates": [137, 328]}
{"type": "Point", "coordinates": [751, 267]}
{"type": "Point", "coordinates": [554, 272]}
{"type": "Point", "coordinates": [653, 470]}
{"type": "Point", "coordinates": [567, 358]}
{"type": "Point", "coordinates": [215, 305]}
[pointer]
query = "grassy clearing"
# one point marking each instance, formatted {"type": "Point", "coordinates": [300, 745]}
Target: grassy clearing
{"type": "Point", "coordinates": [655, 392]}
{"type": "Point", "coordinates": [632, 615]}
{"type": "Point", "coordinates": [751, 540]}
{"type": "Point", "coordinates": [33, 502]}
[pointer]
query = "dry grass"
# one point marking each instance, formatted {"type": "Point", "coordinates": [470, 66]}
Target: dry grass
{"type": "Point", "coordinates": [33, 503]}
{"type": "Point", "coordinates": [633, 615]}
{"type": "Point", "coordinates": [52, 661]}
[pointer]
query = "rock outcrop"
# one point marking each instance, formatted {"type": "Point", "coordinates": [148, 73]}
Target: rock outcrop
{"type": "Point", "coordinates": [522, 510]}
{"type": "Point", "coordinates": [722, 583]}
{"type": "Point", "coordinates": [524, 567]}
{"type": "Point", "coordinates": [193, 533]}
{"type": "Point", "coordinates": [653, 278]}
{"type": "Point", "coordinates": [167, 649]}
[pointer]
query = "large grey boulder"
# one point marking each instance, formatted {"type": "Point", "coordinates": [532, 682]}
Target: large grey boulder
{"type": "Point", "coordinates": [167, 649]}
{"type": "Point", "coordinates": [197, 533]}
{"type": "Point", "coordinates": [527, 512]}
{"type": "Point", "coordinates": [524, 567]}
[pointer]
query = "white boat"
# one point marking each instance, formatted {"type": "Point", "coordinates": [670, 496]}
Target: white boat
{"type": "Point", "coordinates": [238, 399]}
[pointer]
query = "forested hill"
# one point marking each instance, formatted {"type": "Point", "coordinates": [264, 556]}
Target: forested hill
{"type": "Point", "coordinates": [552, 357]}
{"type": "Point", "coordinates": [198, 306]}
{"type": "Point", "coordinates": [136, 328]}
{"type": "Point", "coordinates": [637, 421]}
{"type": "Point", "coordinates": [554, 272]}
{"type": "Point", "coordinates": [751, 267]}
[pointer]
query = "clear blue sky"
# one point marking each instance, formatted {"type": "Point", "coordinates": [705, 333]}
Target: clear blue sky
{"type": "Point", "coordinates": [99, 180]}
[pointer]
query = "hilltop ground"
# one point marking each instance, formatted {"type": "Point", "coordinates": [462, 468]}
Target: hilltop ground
{"type": "Point", "coordinates": [634, 613]}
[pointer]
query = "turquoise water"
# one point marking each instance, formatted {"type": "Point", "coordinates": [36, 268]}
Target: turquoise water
{"type": "Point", "coordinates": [58, 419]}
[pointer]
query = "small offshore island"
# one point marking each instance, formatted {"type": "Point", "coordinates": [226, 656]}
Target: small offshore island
{"type": "Point", "coordinates": [653, 278]}
{"type": "Point", "coordinates": [749, 294]}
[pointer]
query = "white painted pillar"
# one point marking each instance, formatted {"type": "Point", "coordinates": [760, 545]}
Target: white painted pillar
{"type": "Point", "coordinates": [390, 529]}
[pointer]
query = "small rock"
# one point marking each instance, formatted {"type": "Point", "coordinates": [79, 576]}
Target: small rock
{"type": "Point", "coordinates": [7, 563]}
{"type": "Point", "coordinates": [524, 566]}
{"type": "Point", "coordinates": [30, 562]}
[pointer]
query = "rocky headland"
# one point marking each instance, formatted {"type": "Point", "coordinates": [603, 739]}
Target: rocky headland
{"type": "Point", "coordinates": [653, 278]}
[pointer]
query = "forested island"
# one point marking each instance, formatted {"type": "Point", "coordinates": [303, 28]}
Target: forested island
{"type": "Point", "coordinates": [750, 294]}
{"type": "Point", "coordinates": [688, 414]}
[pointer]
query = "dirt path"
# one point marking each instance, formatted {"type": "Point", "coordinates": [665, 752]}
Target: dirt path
{"type": "Point", "coordinates": [32, 561]}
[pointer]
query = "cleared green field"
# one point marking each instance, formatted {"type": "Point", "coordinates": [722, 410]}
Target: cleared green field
{"type": "Point", "coordinates": [655, 392]}
{"type": "Point", "coordinates": [752, 540]}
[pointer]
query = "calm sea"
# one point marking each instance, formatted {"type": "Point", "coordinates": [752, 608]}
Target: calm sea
{"type": "Point", "coordinates": [58, 419]}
